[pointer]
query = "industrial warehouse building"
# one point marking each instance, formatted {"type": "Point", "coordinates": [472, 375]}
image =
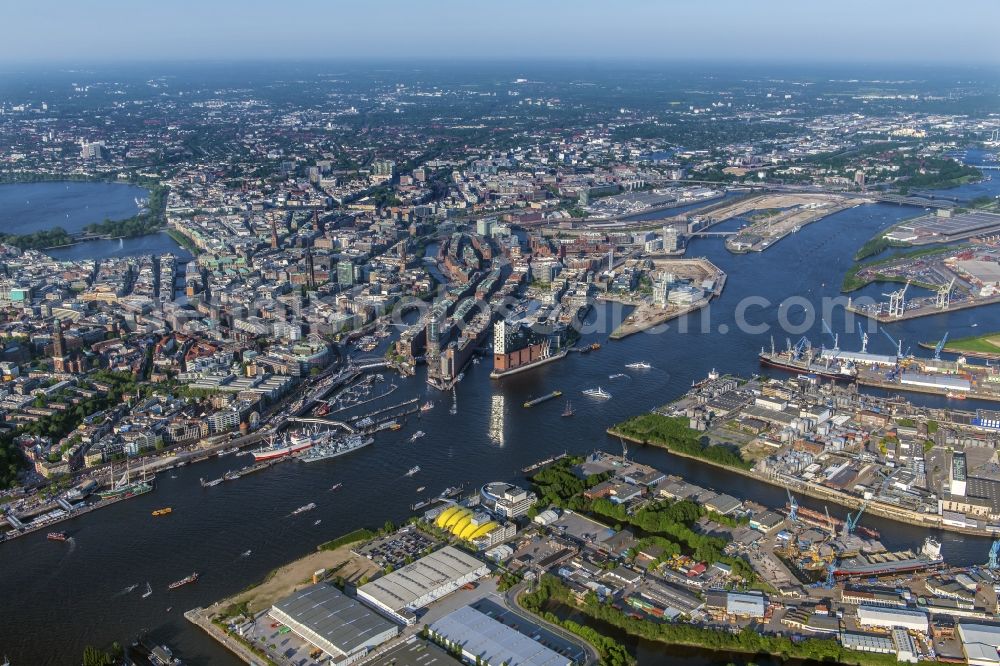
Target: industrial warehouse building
{"type": "Point", "coordinates": [484, 640]}
{"type": "Point", "coordinates": [980, 643]}
{"type": "Point", "coordinates": [406, 590]}
{"type": "Point", "coordinates": [337, 624]}
{"type": "Point", "coordinates": [891, 618]}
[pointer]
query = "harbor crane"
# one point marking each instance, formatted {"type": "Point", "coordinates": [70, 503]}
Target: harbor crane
{"type": "Point", "coordinates": [994, 553]}
{"type": "Point", "coordinates": [897, 301]}
{"type": "Point", "coordinates": [943, 299]}
{"type": "Point", "coordinates": [793, 507]}
{"type": "Point", "coordinates": [864, 338]}
{"type": "Point", "coordinates": [898, 344]}
{"type": "Point", "coordinates": [939, 346]}
{"type": "Point", "coordinates": [853, 518]}
{"type": "Point", "coordinates": [829, 331]}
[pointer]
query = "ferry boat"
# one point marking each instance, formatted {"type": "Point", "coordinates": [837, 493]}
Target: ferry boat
{"type": "Point", "coordinates": [163, 512]}
{"type": "Point", "coordinates": [304, 508]}
{"type": "Point", "coordinates": [413, 470]}
{"type": "Point", "coordinates": [427, 406]}
{"type": "Point", "coordinates": [335, 448]}
{"type": "Point", "coordinates": [183, 581]}
{"type": "Point", "coordinates": [638, 365]}
{"type": "Point", "coordinates": [417, 435]}
{"type": "Point", "coordinates": [56, 536]}
{"type": "Point", "coordinates": [597, 393]}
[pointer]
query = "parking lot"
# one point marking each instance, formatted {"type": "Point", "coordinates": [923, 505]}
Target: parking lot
{"type": "Point", "coordinates": [282, 645]}
{"type": "Point", "coordinates": [403, 546]}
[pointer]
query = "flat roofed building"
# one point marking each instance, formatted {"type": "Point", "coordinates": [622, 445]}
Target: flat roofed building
{"type": "Point", "coordinates": [335, 623]}
{"type": "Point", "coordinates": [743, 604]}
{"type": "Point", "coordinates": [485, 640]}
{"type": "Point", "coordinates": [414, 586]}
{"type": "Point", "coordinates": [891, 618]}
{"type": "Point", "coordinates": [980, 643]}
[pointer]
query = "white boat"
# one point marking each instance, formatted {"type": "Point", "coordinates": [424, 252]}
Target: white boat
{"type": "Point", "coordinates": [149, 590]}
{"type": "Point", "coordinates": [417, 435]}
{"type": "Point", "coordinates": [246, 553]}
{"type": "Point", "coordinates": [421, 489]}
{"type": "Point", "coordinates": [597, 393]}
{"type": "Point", "coordinates": [617, 375]}
{"type": "Point", "coordinates": [303, 509]}
{"type": "Point", "coordinates": [413, 470]}
{"type": "Point", "coordinates": [638, 365]}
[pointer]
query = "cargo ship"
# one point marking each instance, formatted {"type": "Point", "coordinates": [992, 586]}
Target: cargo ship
{"type": "Point", "coordinates": [336, 448]}
{"type": "Point", "coordinates": [804, 361]}
{"type": "Point", "coordinates": [183, 581]}
{"type": "Point", "coordinates": [889, 564]}
{"type": "Point", "coordinates": [288, 446]}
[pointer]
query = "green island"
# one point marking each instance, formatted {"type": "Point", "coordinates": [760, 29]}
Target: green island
{"type": "Point", "coordinates": [672, 433]}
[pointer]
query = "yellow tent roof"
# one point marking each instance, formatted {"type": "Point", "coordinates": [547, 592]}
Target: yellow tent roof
{"type": "Point", "coordinates": [457, 517]}
{"type": "Point", "coordinates": [483, 530]}
{"type": "Point", "coordinates": [445, 515]}
{"type": "Point", "coordinates": [461, 525]}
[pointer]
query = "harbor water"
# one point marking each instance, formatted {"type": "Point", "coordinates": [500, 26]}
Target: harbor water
{"type": "Point", "coordinates": [60, 597]}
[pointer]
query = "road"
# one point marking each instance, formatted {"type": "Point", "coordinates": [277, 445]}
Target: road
{"type": "Point", "coordinates": [510, 602]}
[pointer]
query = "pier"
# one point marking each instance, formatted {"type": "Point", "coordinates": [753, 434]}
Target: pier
{"type": "Point", "coordinates": [543, 463]}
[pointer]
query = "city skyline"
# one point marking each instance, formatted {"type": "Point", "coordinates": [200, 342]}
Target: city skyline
{"type": "Point", "coordinates": [777, 31]}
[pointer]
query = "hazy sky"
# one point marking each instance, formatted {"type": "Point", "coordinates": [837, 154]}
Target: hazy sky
{"type": "Point", "coordinates": [918, 31]}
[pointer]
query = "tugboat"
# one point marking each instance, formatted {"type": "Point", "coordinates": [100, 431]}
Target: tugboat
{"type": "Point", "coordinates": [183, 581]}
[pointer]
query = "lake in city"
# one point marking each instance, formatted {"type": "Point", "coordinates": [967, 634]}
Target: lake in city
{"type": "Point", "coordinates": [29, 207]}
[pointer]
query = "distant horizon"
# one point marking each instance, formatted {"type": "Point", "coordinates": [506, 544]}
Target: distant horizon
{"type": "Point", "coordinates": [890, 32]}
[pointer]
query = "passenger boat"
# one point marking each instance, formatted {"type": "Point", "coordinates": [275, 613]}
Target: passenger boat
{"type": "Point", "coordinates": [163, 512]}
{"type": "Point", "coordinates": [56, 536]}
{"type": "Point", "coordinates": [638, 365]}
{"type": "Point", "coordinates": [597, 393]}
{"type": "Point", "coordinates": [427, 406]}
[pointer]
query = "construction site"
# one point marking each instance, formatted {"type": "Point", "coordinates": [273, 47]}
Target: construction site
{"type": "Point", "coordinates": [678, 286]}
{"type": "Point", "coordinates": [778, 215]}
